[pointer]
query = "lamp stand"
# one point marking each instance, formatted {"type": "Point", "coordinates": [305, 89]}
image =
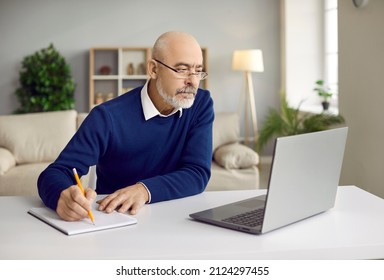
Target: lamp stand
{"type": "Point", "coordinates": [250, 106]}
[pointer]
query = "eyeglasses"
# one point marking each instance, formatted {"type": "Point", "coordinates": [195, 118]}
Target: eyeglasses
{"type": "Point", "coordinates": [185, 73]}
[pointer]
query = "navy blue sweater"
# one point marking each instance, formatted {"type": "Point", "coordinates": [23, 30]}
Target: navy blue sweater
{"type": "Point", "coordinates": [171, 156]}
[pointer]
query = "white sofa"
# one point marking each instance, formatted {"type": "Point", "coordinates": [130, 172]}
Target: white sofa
{"type": "Point", "coordinates": [30, 142]}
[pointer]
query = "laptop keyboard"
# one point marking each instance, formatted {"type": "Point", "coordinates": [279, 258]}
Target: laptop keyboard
{"type": "Point", "coordinates": [251, 219]}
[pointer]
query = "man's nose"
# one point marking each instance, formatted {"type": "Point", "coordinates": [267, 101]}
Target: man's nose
{"type": "Point", "coordinates": [192, 80]}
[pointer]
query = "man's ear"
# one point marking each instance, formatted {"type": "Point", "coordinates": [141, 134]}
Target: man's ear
{"type": "Point", "coordinates": [152, 68]}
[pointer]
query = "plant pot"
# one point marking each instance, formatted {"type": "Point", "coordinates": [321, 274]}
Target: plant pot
{"type": "Point", "coordinates": [325, 105]}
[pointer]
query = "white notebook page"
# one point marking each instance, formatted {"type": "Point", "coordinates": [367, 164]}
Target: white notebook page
{"type": "Point", "coordinates": [102, 220]}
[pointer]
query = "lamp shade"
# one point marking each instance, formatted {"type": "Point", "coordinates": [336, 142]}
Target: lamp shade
{"type": "Point", "coordinates": [248, 60]}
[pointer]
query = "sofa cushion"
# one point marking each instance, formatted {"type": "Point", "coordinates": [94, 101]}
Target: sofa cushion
{"type": "Point", "coordinates": [236, 156]}
{"type": "Point", "coordinates": [37, 137]}
{"type": "Point", "coordinates": [7, 160]}
{"type": "Point", "coordinates": [22, 179]}
{"type": "Point", "coordinates": [80, 118]}
{"type": "Point", "coordinates": [226, 129]}
{"type": "Point", "coordinates": [233, 179]}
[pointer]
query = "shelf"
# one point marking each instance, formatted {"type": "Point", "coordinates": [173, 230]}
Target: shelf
{"type": "Point", "coordinates": [107, 58]}
{"type": "Point", "coordinates": [105, 77]}
{"type": "Point", "coordinates": [134, 77]}
{"type": "Point", "coordinates": [318, 109]}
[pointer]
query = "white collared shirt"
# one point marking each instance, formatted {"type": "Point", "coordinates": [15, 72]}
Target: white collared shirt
{"type": "Point", "coordinates": [149, 108]}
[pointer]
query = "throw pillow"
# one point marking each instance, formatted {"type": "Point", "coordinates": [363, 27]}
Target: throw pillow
{"type": "Point", "coordinates": [6, 161]}
{"type": "Point", "coordinates": [235, 156]}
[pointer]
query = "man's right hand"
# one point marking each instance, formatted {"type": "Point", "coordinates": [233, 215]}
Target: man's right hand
{"type": "Point", "coordinates": [73, 205]}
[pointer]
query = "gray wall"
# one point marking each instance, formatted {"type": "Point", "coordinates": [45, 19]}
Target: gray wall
{"type": "Point", "coordinates": [361, 73]}
{"type": "Point", "coordinates": [75, 26]}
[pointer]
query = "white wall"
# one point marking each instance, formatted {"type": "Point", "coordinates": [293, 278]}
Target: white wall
{"type": "Point", "coordinates": [361, 100]}
{"type": "Point", "coordinates": [75, 26]}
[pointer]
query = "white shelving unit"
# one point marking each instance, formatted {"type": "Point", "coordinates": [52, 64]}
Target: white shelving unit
{"type": "Point", "coordinates": [108, 71]}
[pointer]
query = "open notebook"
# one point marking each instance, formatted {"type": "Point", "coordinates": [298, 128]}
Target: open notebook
{"type": "Point", "coordinates": [102, 220]}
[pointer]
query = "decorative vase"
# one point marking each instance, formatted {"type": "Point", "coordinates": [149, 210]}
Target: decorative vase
{"type": "Point", "coordinates": [105, 70]}
{"type": "Point", "coordinates": [99, 98]}
{"type": "Point", "coordinates": [109, 96]}
{"type": "Point", "coordinates": [141, 69]}
{"type": "Point", "coordinates": [325, 105]}
{"type": "Point", "coordinates": [130, 69]}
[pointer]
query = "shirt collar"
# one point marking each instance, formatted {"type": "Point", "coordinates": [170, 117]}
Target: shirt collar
{"type": "Point", "coordinates": [149, 108]}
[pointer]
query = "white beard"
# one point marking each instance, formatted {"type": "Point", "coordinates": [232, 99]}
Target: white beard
{"type": "Point", "coordinates": [178, 100]}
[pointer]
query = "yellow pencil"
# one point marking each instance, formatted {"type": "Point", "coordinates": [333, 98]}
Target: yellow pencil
{"type": "Point", "coordinates": [90, 214]}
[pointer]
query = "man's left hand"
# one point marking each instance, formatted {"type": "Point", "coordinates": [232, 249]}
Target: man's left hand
{"type": "Point", "coordinates": [130, 198]}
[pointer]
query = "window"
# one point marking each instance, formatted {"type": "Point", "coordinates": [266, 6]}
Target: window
{"type": "Point", "coordinates": [331, 46]}
{"type": "Point", "coordinates": [310, 51]}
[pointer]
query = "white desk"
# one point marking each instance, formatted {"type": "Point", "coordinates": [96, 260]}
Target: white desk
{"type": "Point", "coordinates": [354, 229]}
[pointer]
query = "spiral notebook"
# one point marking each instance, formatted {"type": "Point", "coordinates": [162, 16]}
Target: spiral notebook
{"type": "Point", "coordinates": [103, 221]}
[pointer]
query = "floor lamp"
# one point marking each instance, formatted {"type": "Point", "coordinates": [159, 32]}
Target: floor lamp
{"type": "Point", "coordinates": [249, 61]}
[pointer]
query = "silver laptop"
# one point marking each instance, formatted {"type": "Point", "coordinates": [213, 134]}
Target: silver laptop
{"type": "Point", "coordinates": [303, 182]}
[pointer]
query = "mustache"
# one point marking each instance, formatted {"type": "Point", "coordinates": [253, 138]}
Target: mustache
{"type": "Point", "coordinates": [188, 89]}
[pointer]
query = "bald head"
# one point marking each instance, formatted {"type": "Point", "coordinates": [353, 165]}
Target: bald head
{"type": "Point", "coordinates": [175, 43]}
{"type": "Point", "coordinates": [167, 88]}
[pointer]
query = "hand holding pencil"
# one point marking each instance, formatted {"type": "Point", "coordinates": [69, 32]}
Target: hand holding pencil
{"type": "Point", "coordinates": [90, 214]}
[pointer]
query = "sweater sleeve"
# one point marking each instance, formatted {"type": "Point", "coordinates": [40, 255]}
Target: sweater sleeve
{"type": "Point", "coordinates": [81, 152]}
{"type": "Point", "coordinates": [195, 165]}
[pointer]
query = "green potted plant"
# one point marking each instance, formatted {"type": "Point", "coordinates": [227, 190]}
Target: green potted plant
{"type": "Point", "coordinates": [46, 83]}
{"type": "Point", "coordinates": [291, 121]}
{"type": "Point", "coordinates": [323, 91]}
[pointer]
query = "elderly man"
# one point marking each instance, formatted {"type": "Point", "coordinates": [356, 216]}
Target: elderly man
{"type": "Point", "coordinates": [151, 144]}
